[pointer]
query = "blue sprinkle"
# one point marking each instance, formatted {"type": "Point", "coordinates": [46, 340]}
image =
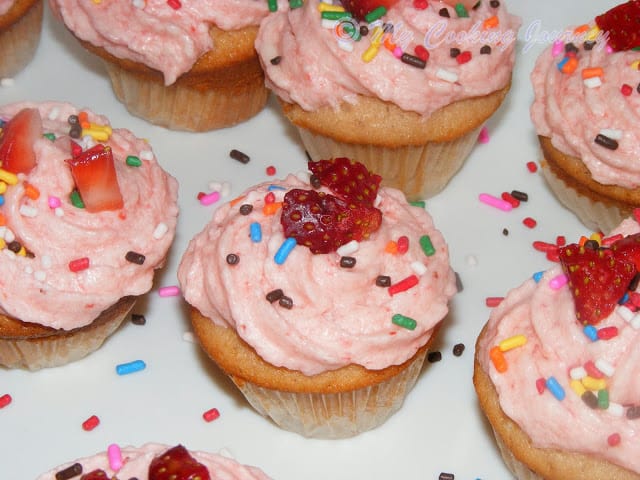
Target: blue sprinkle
{"type": "Point", "coordinates": [275, 187]}
{"type": "Point", "coordinates": [256, 232]}
{"type": "Point", "coordinates": [284, 250]}
{"type": "Point", "coordinates": [591, 332]}
{"type": "Point", "coordinates": [555, 388]}
{"type": "Point", "coordinates": [562, 62]}
{"type": "Point", "coordinates": [624, 299]}
{"type": "Point", "coordinates": [131, 367]}
{"type": "Point", "coordinates": [1, 200]}
{"type": "Point", "coordinates": [537, 276]}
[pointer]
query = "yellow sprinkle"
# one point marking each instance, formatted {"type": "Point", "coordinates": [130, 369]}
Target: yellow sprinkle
{"type": "Point", "coordinates": [96, 134]}
{"type": "Point", "coordinates": [597, 237]}
{"type": "Point", "coordinates": [376, 36]}
{"type": "Point", "coordinates": [3, 244]}
{"type": "Point", "coordinates": [636, 65]}
{"type": "Point", "coordinates": [594, 384]}
{"type": "Point", "coordinates": [577, 387]}
{"type": "Point", "coordinates": [326, 7]}
{"type": "Point", "coordinates": [370, 53]}
{"type": "Point", "coordinates": [8, 177]}
{"type": "Point", "coordinates": [593, 33]}
{"type": "Point", "coordinates": [22, 252]}
{"type": "Point", "coordinates": [3, 187]}
{"type": "Point", "coordinates": [512, 342]}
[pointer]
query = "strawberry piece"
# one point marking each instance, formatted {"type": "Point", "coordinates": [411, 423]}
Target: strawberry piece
{"type": "Point", "coordinates": [359, 8]}
{"type": "Point", "coordinates": [598, 278]}
{"type": "Point", "coordinates": [96, 180]}
{"type": "Point", "coordinates": [629, 249]}
{"type": "Point", "coordinates": [177, 464]}
{"type": "Point", "coordinates": [17, 139]}
{"type": "Point", "coordinates": [622, 23]}
{"type": "Point", "coordinates": [349, 180]}
{"type": "Point", "coordinates": [95, 475]}
{"type": "Point", "coordinates": [323, 222]}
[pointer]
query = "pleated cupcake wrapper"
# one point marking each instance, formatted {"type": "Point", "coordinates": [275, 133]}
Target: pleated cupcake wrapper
{"type": "Point", "coordinates": [597, 216]}
{"type": "Point", "coordinates": [180, 107]}
{"type": "Point", "coordinates": [19, 42]}
{"type": "Point", "coordinates": [419, 171]}
{"type": "Point", "coordinates": [334, 415]}
{"type": "Point", "coordinates": [63, 347]}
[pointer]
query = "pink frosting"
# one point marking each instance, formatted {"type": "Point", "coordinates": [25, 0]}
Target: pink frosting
{"type": "Point", "coordinates": [136, 464]}
{"type": "Point", "coordinates": [555, 345]}
{"type": "Point", "coordinates": [572, 114]}
{"type": "Point", "coordinates": [43, 289]}
{"type": "Point", "coordinates": [5, 5]}
{"type": "Point", "coordinates": [339, 316]}
{"type": "Point", "coordinates": [166, 39]}
{"type": "Point", "coordinates": [315, 71]}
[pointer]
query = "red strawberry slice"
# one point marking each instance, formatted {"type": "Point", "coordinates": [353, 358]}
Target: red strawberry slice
{"type": "Point", "coordinates": [96, 179]}
{"type": "Point", "coordinates": [17, 139]}
{"type": "Point", "coordinates": [349, 180]}
{"type": "Point", "coordinates": [359, 8]}
{"type": "Point", "coordinates": [95, 475]}
{"type": "Point", "coordinates": [629, 249]}
{"type": "Point", "coordinates": [323, 222]}
{"type": "Point", "coordinates": [177, 464]}
{"type": "Point", "coordinates": [598, 279]}
{"type": "Point", "coordinates": [622, 24]}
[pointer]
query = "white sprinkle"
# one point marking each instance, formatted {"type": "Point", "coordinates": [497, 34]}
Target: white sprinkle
{"type": "Point", "coordinates": [40, 275]}
{"type": "Point", "coordinates": [87, 142]}
{"type": "Point", "coordinates": [188, 336]}
{"type": "Point", "coordinates": [348, 248]}
{"type": "Point", "coordinates": [59, 212]}
{"type": "Point", "coordinates": [377, 201]}
{"type": "Point", "coordinates": [472, 261]}
{"type": "Point", "coordinates": [329, 24]}
{"type": "Point", "coordinates": [592, 82]}
{"type": "Point", "coordinates": [225, 191]}
{"type": "Point", "coordinates": [7, 82]}
{"type": "Point", "coordinates": [605, 367]}
{"type": "Point", "coordinates": [46, 261]}
{"type": "Point", "coordinates": [624, 312]}
{"type": "Point", "coordinates": [138, 3]}
{"type": "Point", "coordinates": [27, 211]}
{"type": "Point", "coordinates": [54, 113]}
{"type": "Point", "coordinates": [374, 24]}
{"type": "Point", "coordinates": [160, 230]}
{"type": "Point", "coordinates": [8, 235]}
{"type": "Point", "coordinates": [577, 373]}
{"type": "Point", "coordinates": [446, 75]}
{"type": "Point", "coordinates": [28, 270]}
{"type": "Point", "coordinates": [146, 155]}
{"type": "Point", "coordinates": [346, 45]}
{"type": "Point", "coordinates": [615, 409]}
{"type": "Point", "coordinates": [215, 186]}
{"type": "Point", "coordinates": [612, 133]}
{"type": "Point", "coordinates": [635, 322]}
{"type": "Point", "coordinates": [419, 268]}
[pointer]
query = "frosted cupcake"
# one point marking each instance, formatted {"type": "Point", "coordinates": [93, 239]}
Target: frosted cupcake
{"type": "Point", "coordinates": [403, 90]}
{"type": "Point", "coordinates": [555, 368]}
{"type": "Point", "coordinates": [585, 115]}
{"type": "Point", "coordinates": [20, 27]}
{"type": "Point", "coordinates": [87, 216]}
{"type": "Point", "coordinates": [319, 302]}
{"type": "Point", "coordinates": [184, 67]}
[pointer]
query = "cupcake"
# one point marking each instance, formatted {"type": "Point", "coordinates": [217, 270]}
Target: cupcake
{"type": "Point", "coordinates": [319, 297]}
{"type": "Point", "coordinates": [585, 115]}
{"type": "Point", "coordinates": [556, 365]}
{"type": "Point", "coordinates": [86, 217]}
{"type": "Point", "coordinates": [185, 67]}
{"type": "Point", "coordinates": [404, 90]}
{"type": "Point", "coordinates": [154, 461]}
{"type": "Point", "coordinates": [20, 26]}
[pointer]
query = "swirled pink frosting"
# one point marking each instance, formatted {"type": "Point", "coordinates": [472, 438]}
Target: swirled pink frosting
{"type": "Point", "coordinates": [339, 315]}
{"type": "Point", "coordinates": [314, 71]}
{"type": "Point", "coordinates": [154, 33]}
{"type": "Point", "coordinates": [5, 5]}
{"type": "Point", "coordinates": [136, 462]}
{"type": "Point", "coordinates": [555, 345]}
{"type": "Point", "coordinates": [43, 289]}
{"type": "Point", "coordinates": [572, 114]}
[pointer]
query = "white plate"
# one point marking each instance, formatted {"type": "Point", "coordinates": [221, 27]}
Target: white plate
{"type": "Point", "coordinates": [439, 429]}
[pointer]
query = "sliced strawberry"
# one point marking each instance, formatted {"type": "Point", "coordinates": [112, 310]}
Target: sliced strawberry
{"type": "Point", "coordinates": [598, 279]}
{"type": "Point", "coordinates": [17, 139]}
{"type": "Point", "coordinates": [96, 179]}
{"type": "Point", "coordinates": [95, 475]}
{"type": "Point", "coordinates": [324, 222]}
{"type": "Point", "coordinates": [359, 8]}
{"type": "Point", "coordinates": [349, 180]}
{"type": "Point", "coordinates": [177, 464]}
{"type": "Point", "coordinates": [629, 249]}
{"type": "Point", "coordinates": [622, 24]}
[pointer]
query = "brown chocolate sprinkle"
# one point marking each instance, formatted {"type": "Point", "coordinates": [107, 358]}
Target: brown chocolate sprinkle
{"type": "Point", "coordinates": [505, 232]}
{"type": "Point", "coordinates": [239, 156]}
{"type": "Point", "coordinates": [387, 27]}
{"type": "Point", "coordinates": [246, 209]}
{"type": "Point", "coordinates": [635, 281]}
{"type": "Point", "coordinates": [135, 257]}
{"type": "Point", "coordinates": [383, 281]}
{"type": "Point", "coordinates": [233, 259]}
{"type": "Point", "coordinates": [589, 44]}
{"type": "Point", "coordinates": [606, 142]}
{"type": "Point", "coordinates": [485, 50]}
{"type": "Point", "coordinates": [570, 47]}
{"type": "Point", "coordinates": [458, 349]}
{"type": "Point", "coordinates": [590, 399]}
{"type": "Point", "coordinates": [518, 195]}
{"type": "Point", "coordinates": [364, 30]}
{"type": "Point", "coordinates": [315, 181]}
{"type": "Point", "coordinates": [75, 131]}
{"type": "Point", "coordinates": [276, 60]}
{"type": "Point", "coordinates": [69, 472]}
{"type": "Point", "coordinates": [494, 3]}
{"type": "Point", "coordinates": [443, 12]}
{"type": "Point", "coordinates": [347, 262]}
{"type": "Point", "coordinates": [446, 476]}
{"type": "Point", "coordinates": [73, 120]}
{"type": "Point", "coordinates": [591, 244]}
{"type": "Point", "coordinates": [138, 319]}
{"type": "Point", "coordinates": [454, 52]}
{"type": "Point", "coordinates": [275, 295]}
{"type": "Point", "coordinates": [413, 60]}
{"type": "Point", "coordinates": [14, 246]}
{"type": "Point", "coordinates": [633, 412]}
{"type": "Point", "coordinates": [459, 286]}
{"type": "Point", "coordinates": [286, 302]}
{"type": "Point", "coordinates": [433, 357]}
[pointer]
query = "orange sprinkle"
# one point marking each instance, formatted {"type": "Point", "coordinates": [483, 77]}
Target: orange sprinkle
{"type": "Point", "coordinates": [582, 240]}
{"type": "Point", "coordinates": [491, 22]}
{"type": "Point", "coordinates": [581, 29]}
{"type": "Point", "coordinates": [570, 66]}
{"type": "Point", "coordinates": [592, 72]}
{"type": "Point", "coordinates": [271, 208]}
{"type": "Point", "coordinates": [391, 247]}
{"type": "Point", "coordinates": [237, 200]}
{"type": "Point", "coordinates": [3, 220]}
{"type": "Point", "coordinates": [83, 118]}
{"type": "Point", "coordinates": [497, 357]}
{"type": "Point", "coordinates": [30, 191]}
{"type": "Point", "coordinates": [388, 44]}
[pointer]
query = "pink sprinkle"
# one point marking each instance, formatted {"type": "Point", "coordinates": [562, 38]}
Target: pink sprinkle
{"type": "Point", "coordinates": [271, 170]}
{"type": "Point", "coordinates": [115, 457]}
{"type": "Point", "coordinates": [541, 385]}
{"type": "Point", "coordinates": [495, 202]}
{"type": "Point", "coordinates": [613, 439]}
{"type": "Point", "coordinates": [530, 222]}
{"type": "Point", "coordinates": [170, 291]}
{"type": "Point", "coordinates": [558, 48]}
{"type": "Point", "coordinates": [397, 52]}
{"type": "Point", "coordinates": [211, 415]}
{"type": "Point", "coordinates": [54, 202]}
{"type": "Point", "coordinates": [558, 281]}
{"type": "Point", "coordinates": [532, 167]}
{"type": "Point", "coordinates": [493, 301]}
{"type": "Point", "coordinates": [90, 423]}
{"type": "Point", "coordinates": [483, 137]}
{"type": "Point", "coordinates": [609, 49]}
{"type": "Point", "coordinates": [5, 400]}
{"type": "Point", "coordinates": [209, 198]}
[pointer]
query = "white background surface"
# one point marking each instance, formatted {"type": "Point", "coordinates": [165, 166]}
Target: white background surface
{"type": "Point", "coordinates": [439, 429]}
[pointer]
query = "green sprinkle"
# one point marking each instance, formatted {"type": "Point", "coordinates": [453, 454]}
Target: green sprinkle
{"type": "Point", "coordinates": [50, 136]}
{"type": "Point", "coordinates": [76, 201]}
{"type": "Point", "coordinates": [461, 11]}
{"type": "Point", "coordinates": [375, 14]}
{"type": "Point", "coordinates": [273, 5]}
{"type": "Point", "coordinates": [334, 15]}
{"type": "Point", "coordinates": [404, 322]}
{"type": "Point", "coordinates": [603, 399]}
{"type": "Point", "coordinates": [133, 161]}
{"type": "Point", "coordinates": [295, 4]}
{"type": "Point", "coordinates": [419, 203]}
{"type": "Point", "coordinates": [427, 246]}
